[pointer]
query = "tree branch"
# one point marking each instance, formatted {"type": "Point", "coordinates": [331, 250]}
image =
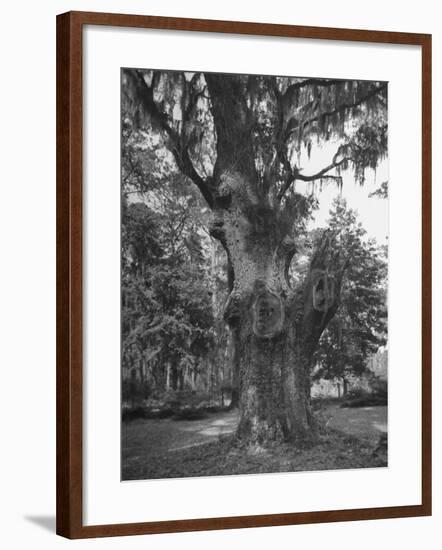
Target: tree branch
{"type": "Point", "coordinates": [294, 174]}
{"type": "Point", "coordinates": [186, 166]}
{"type": "Point", "coordinates": [324, 171]}
{"type": "Point", "coordinates": [322, 82]}
{"type": "Point", "coordinates": [234, 122]}
{"type": "Point", "coordinates": [325, 276]}
{"type": "Point", "coordinates": [144, 94]}
{"type": "Point", "coordinates": [346, 106]}
{"type": "Point", "coordinates": [290, 179]}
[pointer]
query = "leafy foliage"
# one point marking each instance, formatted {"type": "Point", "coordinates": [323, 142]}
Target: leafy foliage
{"type": "Point", "coordinates": [360, 326]}
{"type": "Point", "coordinates": [166, 315]}
{"type": "Point", "coordinates": [381, 192]}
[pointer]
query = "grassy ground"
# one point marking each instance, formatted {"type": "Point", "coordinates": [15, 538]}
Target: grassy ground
{"type": "Point", "coordinates": [155, 449]}
{"type": "Point", "coordinates": [366, 423]}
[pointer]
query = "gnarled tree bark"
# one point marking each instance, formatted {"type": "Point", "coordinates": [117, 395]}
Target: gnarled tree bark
{"type": "Point", "coordinates": [276, 327]}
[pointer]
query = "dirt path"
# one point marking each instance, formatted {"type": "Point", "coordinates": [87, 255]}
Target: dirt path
{"type": "Point", "coordinates": [159, 436]}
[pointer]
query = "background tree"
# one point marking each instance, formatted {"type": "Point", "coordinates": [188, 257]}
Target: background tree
{"type": "Point", "coordinates": [166, 313]}
{"type": "Point", "coordinates": [243, 142]}
{"type": "Point", "coordinates": [359, 327]}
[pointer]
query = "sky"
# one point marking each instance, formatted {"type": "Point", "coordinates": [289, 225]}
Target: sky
{"type": "Point", "coordinates": [373, 212]}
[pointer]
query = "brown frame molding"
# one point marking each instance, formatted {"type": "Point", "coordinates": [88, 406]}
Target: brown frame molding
{"type": "Point", "coordinates": [69, 273]}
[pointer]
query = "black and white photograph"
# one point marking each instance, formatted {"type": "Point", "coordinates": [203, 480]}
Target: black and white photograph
{"type": "Point", "coordinates": [254, 274]}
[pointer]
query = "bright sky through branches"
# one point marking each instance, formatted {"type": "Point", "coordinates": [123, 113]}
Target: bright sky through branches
{"type": "Point", "coordinates": [372, 212]}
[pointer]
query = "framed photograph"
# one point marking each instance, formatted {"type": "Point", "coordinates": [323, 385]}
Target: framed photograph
{"type": "Point", "coordinates": [243, 274]}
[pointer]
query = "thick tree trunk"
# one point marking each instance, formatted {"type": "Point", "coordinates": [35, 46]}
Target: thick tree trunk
{"type": "Point", "coordinates": [181, 379]}
{"type": "Point", "coordinates": [274, 403]}
{"type": "Point", "coordinates": [276, 327]}
{"type": "Point", "coordinates": [174, 377]}
{"type": "Point", "coordinates": [271, 361]}
{"type": "Point", "coordinates": [234, 358]}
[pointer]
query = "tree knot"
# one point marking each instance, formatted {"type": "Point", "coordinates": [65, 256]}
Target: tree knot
{"type": "Point", "coordinates": [323, 290]}
{"type": "Point", "coordinates": [268, 313]}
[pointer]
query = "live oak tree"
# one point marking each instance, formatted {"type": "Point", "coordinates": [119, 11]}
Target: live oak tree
{"type": "Point", "coordinates": [242, 140]}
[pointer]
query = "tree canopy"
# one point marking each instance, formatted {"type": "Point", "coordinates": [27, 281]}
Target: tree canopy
{"type": "Point", "coordinates": [265, 126]}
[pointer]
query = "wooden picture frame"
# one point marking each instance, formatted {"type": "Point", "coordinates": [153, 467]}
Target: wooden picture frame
{"type": "Point", "coordinates": [70, 156]}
